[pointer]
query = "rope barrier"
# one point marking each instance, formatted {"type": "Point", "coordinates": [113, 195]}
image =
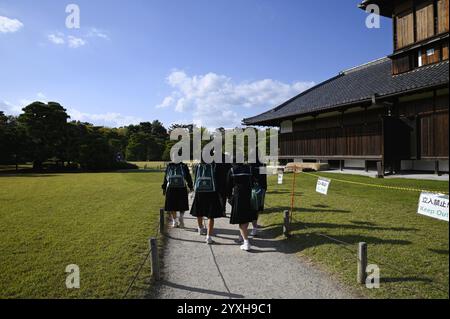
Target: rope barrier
{"type": "Point", "coordinates": [345, 245]}
{"type": "Point", "coordinates": [381, 186]}
{"type": "Point", "coordinates": [142, 265]}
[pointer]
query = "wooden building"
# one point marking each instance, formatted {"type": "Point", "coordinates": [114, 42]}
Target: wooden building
{"type": "Point", "coordinates": [391, 113]}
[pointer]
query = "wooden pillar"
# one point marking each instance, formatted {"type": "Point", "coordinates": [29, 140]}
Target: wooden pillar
{"type": "Point", "coordinates": [366, 166]}
{"type": "Point", "coordinates": [436, 168]}
{"type": "Point", "coordinates": [380, 169]}
{"type": "Point", "coordinates": [362, 263]}
{"type": "Point", "coordinates": [341, 165]}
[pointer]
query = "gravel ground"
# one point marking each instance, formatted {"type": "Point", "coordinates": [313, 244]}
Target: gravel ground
{"type": "Point", "coordinates": [194, 270]}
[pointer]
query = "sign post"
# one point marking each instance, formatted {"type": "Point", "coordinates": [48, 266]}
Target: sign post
{"type": "Point", "coordinates": [434, 206]}
{"type": "Point", "coordinates": [280, 178]}
{"type": "Point", "coordinates": [322, 185]}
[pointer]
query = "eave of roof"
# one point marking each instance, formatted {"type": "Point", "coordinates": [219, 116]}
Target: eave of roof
{"type": "Point", "coordinates": [356, 86]}
{"type": "Point", "coordinates": [386, 6]}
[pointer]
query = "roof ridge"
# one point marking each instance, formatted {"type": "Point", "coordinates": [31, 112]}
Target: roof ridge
{"type": "Point", "coordinates": [365, 65]}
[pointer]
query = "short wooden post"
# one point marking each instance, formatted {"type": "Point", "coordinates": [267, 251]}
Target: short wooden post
{"type": "Point", "coordinates": [436, 168]}
{"type": "Point", "coordinates": [286, 224]}
{"type": "Point", "coordinates": [155, 259]}
{"type": "Point", "coordinates": [162, 220]}
{"type": "Point", "coordinates": [380, 170]}
{"type": "Point", "coordinates": [362, 263]}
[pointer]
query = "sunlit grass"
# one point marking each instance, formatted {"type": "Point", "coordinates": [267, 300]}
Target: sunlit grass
{"type": "Point", "coordinates": [410, 249]}
{"type": "Point", "coordinates": [101, 222]}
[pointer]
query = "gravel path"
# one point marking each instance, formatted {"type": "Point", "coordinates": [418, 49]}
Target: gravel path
{"type": "Point", "coordinates": [194, 270]}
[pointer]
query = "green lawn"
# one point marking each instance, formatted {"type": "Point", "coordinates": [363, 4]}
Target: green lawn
{"type": "Point", "coordinates": [150, 165]}
{"type": "Point", "coordinates": [101, 222]}
{"type": "Point", "coordinates": [411, 250]}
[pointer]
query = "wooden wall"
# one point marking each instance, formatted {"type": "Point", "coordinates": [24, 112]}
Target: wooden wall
{"type": "Point", "coordinates": [442, 8]}
{"type": "Point", "coordinates": [425, 20]}
{"type": "Point", "coordinates": [349, 135]}
{"type": "Point", "coordinates": [416, 21]}
{"type": "Point", "coordinates": [432, 114]}
{"type": "Point", "coordinates": [360, 134]}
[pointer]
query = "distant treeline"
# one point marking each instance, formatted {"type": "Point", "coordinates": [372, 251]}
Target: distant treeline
{"type": "Point", "coordinates": [44, 133]}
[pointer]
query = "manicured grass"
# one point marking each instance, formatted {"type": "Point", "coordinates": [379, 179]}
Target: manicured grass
{"type": "Point", "coordinates": [101, 222]}
{"type": "Point", "coordinates": [8, 168]}
{"type": "Point", "coordinates": [411, 250]}
{"type": "Point", "coordinates": [150, 165]}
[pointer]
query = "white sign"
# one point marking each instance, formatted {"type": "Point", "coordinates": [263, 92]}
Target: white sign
{"type": "Point", "coordinates": [434, 205]}
{"type": "Point", "coordinates": [280, 179]}
{"type": "Point", "coordinates": [322, 185]}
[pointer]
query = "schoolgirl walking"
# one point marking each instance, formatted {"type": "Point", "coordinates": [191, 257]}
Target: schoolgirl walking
{"type": "Point", "coordinates": [177, 180]}
{"type": "Point", "coordinates": [208, 200]}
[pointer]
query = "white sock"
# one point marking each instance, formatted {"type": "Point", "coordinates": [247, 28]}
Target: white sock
{"type": "Point", "coordinates": [246, 242]}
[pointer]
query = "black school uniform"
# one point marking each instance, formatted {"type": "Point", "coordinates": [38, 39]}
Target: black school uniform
{"type": "Point", "coordinates": [211, 204]}
{"type": "Point", "coordinates": [239, 189]}
{"type": "Point", "coordinates": [177, 198]}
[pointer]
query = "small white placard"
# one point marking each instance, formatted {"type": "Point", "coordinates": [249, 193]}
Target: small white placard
{"type": "Point", "coordinates": [322, 185]}
{"type": "Point", "coordinates": [280, 179]}
{"type": "Point", "coordinates": [434, 206]}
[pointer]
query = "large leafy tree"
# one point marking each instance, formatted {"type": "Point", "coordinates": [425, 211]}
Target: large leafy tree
{"type": "Point", "coordinates": [45, 125]}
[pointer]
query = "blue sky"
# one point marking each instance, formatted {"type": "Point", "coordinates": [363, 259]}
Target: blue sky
{"type": "Point", "coordinates": [212, 62]}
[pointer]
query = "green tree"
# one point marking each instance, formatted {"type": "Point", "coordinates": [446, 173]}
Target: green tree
{"type": "Point", "coordinates": [45, 125]}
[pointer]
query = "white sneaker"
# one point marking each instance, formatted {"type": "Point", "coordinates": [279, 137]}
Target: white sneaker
{"type": "Point", "coordinates": [254, 232]}
{"type": "Point", "coordinates": [245, 246]}
{"type": "Point", "coordinates": [202, 231]}
{"type": "Point", "coordinates": [209, 241]}
{"type": "Point", "coordinates": [174, 224]}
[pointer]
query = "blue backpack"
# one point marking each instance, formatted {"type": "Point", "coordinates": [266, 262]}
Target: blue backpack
{"type": "Point", "coordinates": [175, 176]}
{"type": "Point", "coordinates": [204, 178]}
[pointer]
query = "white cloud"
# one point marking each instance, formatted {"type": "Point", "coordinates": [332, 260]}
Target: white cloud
{"type": "Point", "coordinates": [8, 25]}
{"type": "Point", "coordinates": [107, 119]}
{"type": "Point", "coordinates": [216, 101]}
{"type": "Point", "coordinates": [75, 42]}
{"type": "Point", "coordinates": [41, 96]}
{"type": "Point", "coordinates": [9, 108]}
{"type": "Point", "coordinates": [57, 38]}
{"type": "Point", "coordinates": [168, 101]}
{"type": "Point", "coordinates": [97, 33]}
{"type": "Point", "coordinates": [16, 108]}
{"type": "Point", "coordinates": [78, 41]}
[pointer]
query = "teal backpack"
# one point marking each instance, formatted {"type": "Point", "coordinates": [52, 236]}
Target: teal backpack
{"type": "Point", "coordinates": [257, 197]}
{"type": "Point", "coordinates": [204, 178]}
{"type": "Point", "coordinates": [175, 176]}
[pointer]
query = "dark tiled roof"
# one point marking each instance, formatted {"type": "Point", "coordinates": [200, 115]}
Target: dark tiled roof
{"type": "Point", "coordinates": [354, 86]}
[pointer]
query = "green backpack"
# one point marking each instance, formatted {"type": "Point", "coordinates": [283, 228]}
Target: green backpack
{"type": "Point", "coordinates": [175, 176]}
{"type": "Point", "coordinates": [204, 178]}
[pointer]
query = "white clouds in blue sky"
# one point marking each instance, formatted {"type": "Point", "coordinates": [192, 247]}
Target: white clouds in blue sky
{"type": "Point", "coordinates": [75, 42]}
{"type": "Point", "coordinates": [112, 119]}
{"type": "Point", "coordinates": [215, 100]}
{"type": "Point", "coordinates": [8, 25]}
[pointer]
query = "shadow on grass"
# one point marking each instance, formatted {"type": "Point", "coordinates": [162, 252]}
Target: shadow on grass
{"type": "Point", "coordinates": [300, 226]}
{"type": "Point", "coordinates": [405, 279]}
{"type": "Point", "coordinates": [271, 210]}
{"type": "Point", "coordinates": [283, 192]}
{"type": "Point", "coordinates": [439, 251]}
{"type": "Point", "coordinates": [27, 175]}
{"type": "Point", "coordinates": [317, 236]}
{"type": "Point", "coordinates": [138, 171]}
